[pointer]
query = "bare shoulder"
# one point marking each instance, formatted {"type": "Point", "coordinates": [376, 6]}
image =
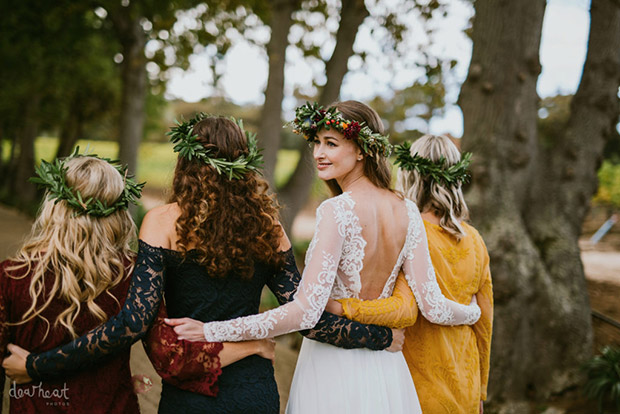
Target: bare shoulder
{"type": "Point", "coordinates": [158, 225]}
{"type": "Point", "coordinates": [380, 200]}
{"type": "Point", "coordinates": [285, 243]}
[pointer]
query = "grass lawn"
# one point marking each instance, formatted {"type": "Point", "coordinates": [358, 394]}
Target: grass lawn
{"type": "Point", "coordinates": [156, 160]}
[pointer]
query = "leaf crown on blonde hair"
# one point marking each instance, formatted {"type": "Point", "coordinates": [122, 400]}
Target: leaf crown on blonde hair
{"type": "Point", "coordinates": [187, 145]}
{"type": "Point", "coordinates": [438, 171]}
{"type": "Point", "coordinates": [53, 177]}
{"type": "Point", "coordinates": [310, 118]}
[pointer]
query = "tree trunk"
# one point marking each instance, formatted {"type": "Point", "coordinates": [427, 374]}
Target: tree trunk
{"type": "Point", "coordinates": [295, 193]}
{"type": "Point", "coordinates": [71, 131]}
{"type": "Point", "coordinates": [133, 73]}
{"type": "Point", "coordinates": [270, 129]}
{"type": "Point", "coordinates": [25, 192]}
{"type": "Point", "coordinates": [528, 198]}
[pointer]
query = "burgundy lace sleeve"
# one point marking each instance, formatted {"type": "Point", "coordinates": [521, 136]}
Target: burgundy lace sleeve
{"type": "Point", "coordinates": [191, 366]}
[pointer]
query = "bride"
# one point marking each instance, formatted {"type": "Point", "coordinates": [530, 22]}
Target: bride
{"type": "Point", "coordinates": [365, 234]}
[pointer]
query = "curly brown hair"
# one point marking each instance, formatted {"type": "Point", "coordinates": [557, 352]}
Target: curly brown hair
{"type": "Point", "coordinates": [232, 223]}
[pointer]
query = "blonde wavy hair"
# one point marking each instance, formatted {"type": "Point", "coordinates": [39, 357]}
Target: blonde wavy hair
{"type": "Point", "coordinates": [445, 200]}
{"type": "Point", "coordinates": [85, 256]}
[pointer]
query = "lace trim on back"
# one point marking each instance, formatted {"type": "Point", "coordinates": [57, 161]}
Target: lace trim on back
{"type": "Point", "coordinates": [352, 259]}
{"type": "Point", "coordinates": [411, 241]}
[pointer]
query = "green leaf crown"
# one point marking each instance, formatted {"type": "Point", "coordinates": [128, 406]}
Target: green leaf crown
{"type": "Point", "coordinates": [310, 118]}
{"type": "Point", "coordinates": [438, 171]}
{"type": "Point", "coordinates": [53, 177]}
{"type": "Point", "coordinates": [187, 145]}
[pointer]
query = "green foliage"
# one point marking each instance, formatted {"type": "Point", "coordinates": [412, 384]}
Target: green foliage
{"type": "Point", "coordinates": [285, 165]}
{"type": "Point", "coordinates": [311, 118]}
{"type": "Point", "coordinates": [609, 184]}
{"type": "Point", "coordinates": [154, 121]}
{"type": "Point", "coordinates": [603, 383]}
{"type": "Point", "coordinates": [52, 56]}
{"type": "Point", "coordinates": [414, 105]}
{"type": "Point", "coordinates": [187, 145]}
{"type": "Point", "coordinates": [53, 177]}
{"type": "Point", "coordinates": [554, 113]}
{"type": "Point", "coordinates": [447, 175]}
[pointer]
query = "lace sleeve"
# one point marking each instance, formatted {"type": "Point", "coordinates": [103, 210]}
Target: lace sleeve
{"type": "Point", "coordinates": [420, 275]}
{"type": "Point", "coordinates": [305, 310]}
{"type": "Point", "coordinates": [397, 311]}
{"type": "Point", "coordinates": [118, 333]}
{"type": "Point", "coordinates": [191, 366]}
{"type": "Point", "coordinates": [331, 329]}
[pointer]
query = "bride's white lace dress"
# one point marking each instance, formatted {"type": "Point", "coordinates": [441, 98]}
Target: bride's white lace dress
{"type": "Point", "coordinates": [330, 379]}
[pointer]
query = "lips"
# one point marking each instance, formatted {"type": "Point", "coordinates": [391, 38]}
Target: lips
{"type": "Point", "coordinates": [322, 165]}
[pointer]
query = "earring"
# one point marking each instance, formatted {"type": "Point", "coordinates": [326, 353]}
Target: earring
{"type": "Point", "coordinates": [360, 158]}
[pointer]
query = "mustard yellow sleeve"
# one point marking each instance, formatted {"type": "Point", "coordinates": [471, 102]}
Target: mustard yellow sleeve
{"type": "Point", "coordinates": [483, 329]}
{"type": "Point", "coordinates": [398, 311]}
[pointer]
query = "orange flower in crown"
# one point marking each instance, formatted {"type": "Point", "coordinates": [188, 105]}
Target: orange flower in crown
{"type": "Point", "coordinates": [310, 118]}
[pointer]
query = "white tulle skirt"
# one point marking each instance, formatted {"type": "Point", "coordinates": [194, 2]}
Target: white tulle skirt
{"type": "Point", "coordinates": [357, 381]}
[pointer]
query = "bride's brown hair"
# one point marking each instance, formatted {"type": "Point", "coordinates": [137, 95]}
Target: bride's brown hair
{"type": "Point", "coordinates": [376, 168]}
{"type": "Point", "coordinates": [229, 223]}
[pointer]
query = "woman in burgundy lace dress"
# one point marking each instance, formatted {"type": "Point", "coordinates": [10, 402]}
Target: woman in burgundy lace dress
{"type": "Point", "coordinates": [70, 275]}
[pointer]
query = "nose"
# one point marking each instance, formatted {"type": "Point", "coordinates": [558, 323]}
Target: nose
{"type": "Point", "coordinates": [317, 151]}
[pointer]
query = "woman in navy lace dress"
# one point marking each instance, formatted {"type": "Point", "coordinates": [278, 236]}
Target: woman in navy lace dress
{"type": "Point", "coordinates": [211, 250]}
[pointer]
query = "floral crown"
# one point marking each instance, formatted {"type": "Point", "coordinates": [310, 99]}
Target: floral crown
{"type": "Point", "coordinates": [438, 171]}
{"type": "Point", "coordinates": [187, 145]}
{"type": "Point", "coordinates": [310, 118]}
{"type": "Point", "coordinates": [53, 177]}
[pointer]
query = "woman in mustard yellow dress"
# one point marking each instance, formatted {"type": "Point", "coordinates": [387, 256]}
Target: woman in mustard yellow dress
{"type": "Point", "coordinates": [449, 364]}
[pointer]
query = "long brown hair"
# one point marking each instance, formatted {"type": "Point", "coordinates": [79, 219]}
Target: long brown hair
{"type": "Point", "coordinates": [376, 168]}
{"type": "Point", "coordinates": [230, 222]}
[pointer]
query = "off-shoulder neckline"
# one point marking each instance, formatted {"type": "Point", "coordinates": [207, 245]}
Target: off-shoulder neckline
{"type": "Point", "coordinates": [142, 242]}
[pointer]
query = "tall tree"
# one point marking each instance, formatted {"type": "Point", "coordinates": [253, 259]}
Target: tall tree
{"type": "Point", "coordinates": [136, 22]}
{"type": "Point", "coordinates": [127, 19]}
{"type": "Point", "coordinates": [280, 20]}
{"type": "Point", "coordinates": [294, 194]}
{"type": "Point", "coordinates": [529, 195]}
{"type": "Point", "coordinates": [38, 43]}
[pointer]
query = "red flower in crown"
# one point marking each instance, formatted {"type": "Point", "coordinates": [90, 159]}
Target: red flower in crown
{"type": "Point", "coordinates": [352, 130]}
{"type": "Point", "coordinates": [320, 115]}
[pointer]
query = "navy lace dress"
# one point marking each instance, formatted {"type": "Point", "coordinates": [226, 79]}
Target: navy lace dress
{"type": "Point", "coordinates": [247, 386]}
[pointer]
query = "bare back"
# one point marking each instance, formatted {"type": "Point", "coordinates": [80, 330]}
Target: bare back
{"type": "Point", "coordinates": [384, 221]}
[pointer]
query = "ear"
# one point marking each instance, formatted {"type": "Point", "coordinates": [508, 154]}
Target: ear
{"type": "Point", "coordinates": [359, 154]}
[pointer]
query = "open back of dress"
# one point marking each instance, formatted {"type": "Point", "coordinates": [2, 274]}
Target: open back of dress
{"type": "Point", "coordinates": [372, 255]}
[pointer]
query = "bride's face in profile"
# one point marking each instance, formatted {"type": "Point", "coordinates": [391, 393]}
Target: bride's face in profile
{"type": "Point", "coordinates": [335, 156]}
